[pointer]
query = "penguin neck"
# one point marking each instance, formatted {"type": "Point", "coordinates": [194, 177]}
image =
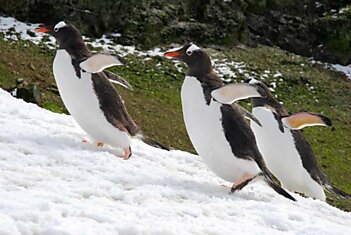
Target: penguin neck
{"type": "Point", "coordinates": [209, 82]}
{"type": "Point", "coordinates": [199, 68]}
{"type": "Point", "coordinates": [269, 102]}
{"type": "Point", "coordinates": [76, 49]}
{"type": "Point", "coordinates": [206, 77]}
{"type": "Point", "coordinates": [258, 102]}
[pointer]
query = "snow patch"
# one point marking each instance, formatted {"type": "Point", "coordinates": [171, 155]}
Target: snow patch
{"type": "Point", "coordinates": [16, 30]}
{"type": "Point", "coordinates": [346, 69]}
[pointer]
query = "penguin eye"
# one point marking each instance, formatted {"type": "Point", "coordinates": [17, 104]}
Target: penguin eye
{"type": "Point", "coordinates": [189, 53]}
{"type": "Point", "coordinates": [56, 29]}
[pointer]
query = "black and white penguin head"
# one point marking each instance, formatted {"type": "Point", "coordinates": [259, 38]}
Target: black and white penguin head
{"type": "Point", "coordinates": [196, 58]}
{"type": "Point", "coordinates": [262, 86]}
{"type": "Point", "coordinates": [268, 98]}
{"type": "Point", "coordinates": [64, 33]}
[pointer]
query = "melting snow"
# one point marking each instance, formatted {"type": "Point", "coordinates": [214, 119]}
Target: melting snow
{"type": "Point", "coordinates": [16, 30]}
{"type": "Point", "coordinates": [346, 69]}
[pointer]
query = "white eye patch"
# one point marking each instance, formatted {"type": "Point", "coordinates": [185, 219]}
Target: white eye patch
{"type": "Point", "coordinates": [59, 25]}
{"type": "Point", "coordinates": [191, 49]}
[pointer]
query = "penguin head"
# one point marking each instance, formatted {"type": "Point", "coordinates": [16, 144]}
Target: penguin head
{"type": "Point", "coordinates": [263, 89]}
{"type": "Point", "coordinates": [197, 60]}
{"type": "Point", "coordinates": [66, 34]}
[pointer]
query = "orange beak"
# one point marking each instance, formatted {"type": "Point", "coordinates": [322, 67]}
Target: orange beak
{"type": "Point", "coordinates": [172, 54]}
{"type": "Point", "coordinates": [42, 30]}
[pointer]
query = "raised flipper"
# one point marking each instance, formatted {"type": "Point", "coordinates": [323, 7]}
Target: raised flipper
{"type": "Point", "coordinates": [303, 119]}
{"type": "Point", "coordinates": [114, 78]}
{"type": "Point", "coordinates": [248, 115]}
{"type": "Point", "coordinates": [97, 63]}
{"type": "Point", "coordinates": [232, 92]}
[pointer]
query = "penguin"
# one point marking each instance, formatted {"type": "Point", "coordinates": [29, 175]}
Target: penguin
{"type": "Point", "coordinates": [87, 93]}
{"type": "Point", "coordinates": [216, 127]}
{"type": "Point", "coordinates": [285, 150]}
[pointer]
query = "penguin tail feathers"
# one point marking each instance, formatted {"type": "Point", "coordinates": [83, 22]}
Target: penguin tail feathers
{"type": "Point", "coordinates": [328, 186]}
{"type": "Point", "coordinates": [154, 143]}
{"type": "Point", "coordinates": [276, 187]}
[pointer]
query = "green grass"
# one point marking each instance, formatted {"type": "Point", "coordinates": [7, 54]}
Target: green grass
{"type": "Point", "coordinates": [155, 102]}
{"type": "Point", "coordinates": [33, 65]}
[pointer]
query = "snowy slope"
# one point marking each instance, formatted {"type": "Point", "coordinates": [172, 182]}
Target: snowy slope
{"type": "Point", "coordinates": [53, 184]}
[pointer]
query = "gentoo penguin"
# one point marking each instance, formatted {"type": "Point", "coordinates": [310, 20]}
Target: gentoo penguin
{"type": "Point", "coordinates": [285, 150]}
{"type": "Point", "coordinates": [217, 129]}
{"type": "Point", "coordinates": [87, 93]}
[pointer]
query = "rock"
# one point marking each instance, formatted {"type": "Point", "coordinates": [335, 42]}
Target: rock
{"type": "Point", "coordinates": [28, 92]}
{"type": "Point", "coordinates": [31, 66]}
{"type": "Point", "coordinates": [39, 77]}
{"type": "Point", "coordinates": [19, 81]}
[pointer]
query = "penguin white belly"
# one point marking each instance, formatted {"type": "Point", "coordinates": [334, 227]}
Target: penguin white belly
{"type": "Point", "coordinates": [281, 156]}
{"type": "Point", "coordinates": [81, 101]}
{"type": "Point", "coordinates": [204, 126]}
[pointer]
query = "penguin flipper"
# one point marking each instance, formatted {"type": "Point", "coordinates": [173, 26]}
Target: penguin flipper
{"type": "Point", "coordinates": [114, 78]}
{"type": "Point", "coordinates": [248, 115]}
{"type": "Point", "coordinates": [230, 93]}
{"type": "Point", "coordinates": [98, 62]}
{"type": "Point", "coordinates": [303, 119]}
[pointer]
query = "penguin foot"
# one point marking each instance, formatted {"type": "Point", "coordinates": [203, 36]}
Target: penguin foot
{"type": "Point", "coordinates": [85, 141]}
{"type": "Point", "coordinates": [99, 144]}
{"type": "Point", "coordinates": [127, 153]}
{"type": "Point", "coordinates": [241, 183]}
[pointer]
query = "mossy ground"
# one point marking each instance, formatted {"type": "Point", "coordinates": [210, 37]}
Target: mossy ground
{"type": "Point", "coordinates": [155, 102]}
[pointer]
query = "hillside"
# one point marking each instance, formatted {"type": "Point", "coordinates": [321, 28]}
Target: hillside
{"type": "Point", "coordinates": [52, 183]}
{"type": "Point", "coordinates": [298, 82]}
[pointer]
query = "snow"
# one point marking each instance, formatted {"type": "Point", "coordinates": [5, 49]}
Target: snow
{"type": "Point", "coordinates": [16, 30]}
{"type": "Point", "coordinates": [227, 70]}
{"type": "Point", "coordinates": [345, 69]}
{"type": "Point", "coordinates": [52, 183]}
